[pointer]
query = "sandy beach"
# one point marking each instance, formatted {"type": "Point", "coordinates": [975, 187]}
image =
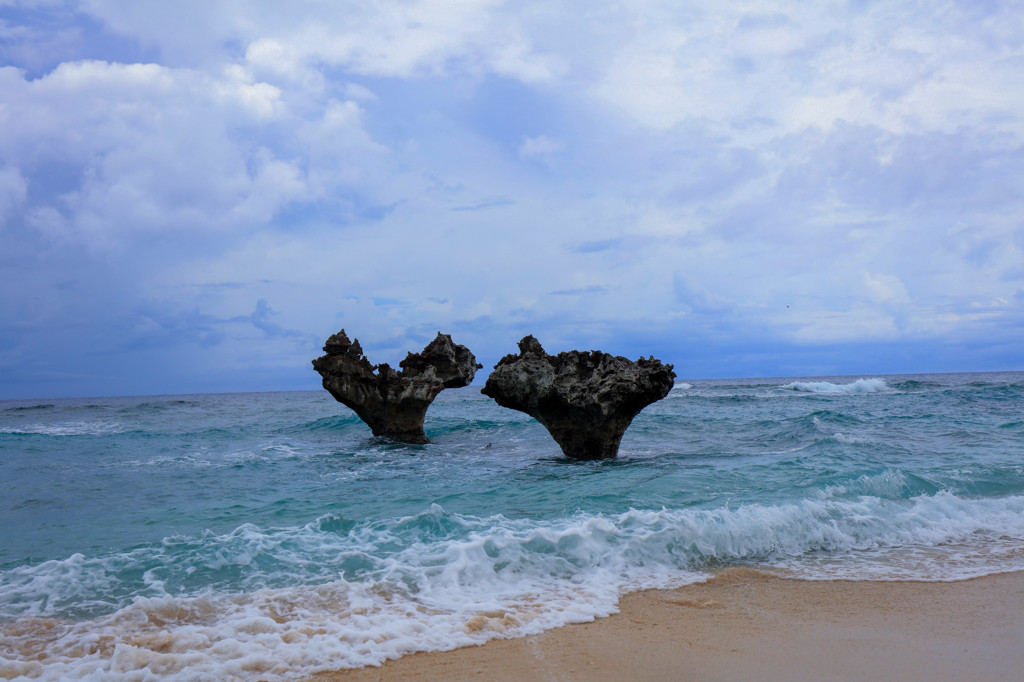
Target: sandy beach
{"type": "Point", "coordinates": [748, 625]}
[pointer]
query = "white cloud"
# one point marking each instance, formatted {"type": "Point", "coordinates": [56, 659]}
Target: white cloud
{"type": "Point", "coordinates": [354, 91]}
{"type": "Point", "coordinates": [885, 288]}
{"type": "Point", "coordinates": [13, 189]}
{"type": "Point", "coordinates": [889, 66]}
{"type": "Point", "coordinates": [539, 147]}
{"type": "Point", "coordinates": [380, 39]}
{"type": "Point", "coordinates": [158, 149]}
{"type": "Point", "coordinates": [51, 223]}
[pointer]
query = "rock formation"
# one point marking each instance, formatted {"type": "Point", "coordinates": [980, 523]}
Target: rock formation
{"type": "Point", "coordinates": [393, 404]}
{"type": "Point", "coordinates": [585, 400]}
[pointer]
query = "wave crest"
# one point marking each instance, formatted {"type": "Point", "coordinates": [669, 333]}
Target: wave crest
{"type": "Point", "coordinates": [858, 386]}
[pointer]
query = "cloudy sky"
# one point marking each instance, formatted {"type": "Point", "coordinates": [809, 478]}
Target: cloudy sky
{"type": "Point", "coordinates": [195, 194]}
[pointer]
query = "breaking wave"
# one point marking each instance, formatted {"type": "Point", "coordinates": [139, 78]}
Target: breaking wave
{"type": "Point", "coordinates": [858, 386]}
{"type": "Point", "coordinates": [336, 594]}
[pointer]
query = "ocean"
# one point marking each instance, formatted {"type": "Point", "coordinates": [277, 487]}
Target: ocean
{"type": "Point", "coordinates": [269, 535]}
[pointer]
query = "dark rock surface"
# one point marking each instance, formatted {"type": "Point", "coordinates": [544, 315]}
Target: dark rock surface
{"type": "Point", "coordinates": [393, 404]}
{"type": "Point", "coordinates": [585, 400]}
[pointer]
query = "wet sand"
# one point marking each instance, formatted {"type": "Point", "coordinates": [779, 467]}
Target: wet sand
{"type": "Point", "coordinates": [747, 625]}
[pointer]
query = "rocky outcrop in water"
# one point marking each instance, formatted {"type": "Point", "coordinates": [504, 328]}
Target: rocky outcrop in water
{"type": "Point", "coordinates": [393, 404]}
{"type": "Point", "coordinates": [585, 400]}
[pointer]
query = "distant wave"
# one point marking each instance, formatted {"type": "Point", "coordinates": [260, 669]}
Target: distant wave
{"type": "Point", "coordinates": [332, 423]}
{"type": "Point", "coordinates": [852, 440]}
{"type": "Point", "coordinates": [100, 428]}
{"type": "Point", "coordinates": [679, 390]}
{"type": "Point", "coordinates": [858, 386]}
{"type": "Point", "coordinates": [30, 408]}
{"type": "Point", "coordinates": [916, 385]}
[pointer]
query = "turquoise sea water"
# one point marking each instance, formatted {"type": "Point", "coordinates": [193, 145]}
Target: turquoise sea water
{"type": "Point", "coordinates": [269, 535]}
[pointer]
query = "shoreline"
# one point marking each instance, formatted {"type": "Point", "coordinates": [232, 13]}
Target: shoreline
{"type": "Point", "coordinates": [745, 624]}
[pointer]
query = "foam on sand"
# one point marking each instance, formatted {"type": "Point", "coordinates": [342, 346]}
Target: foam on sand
{"type": "Point", "coordinates": [747, 625]}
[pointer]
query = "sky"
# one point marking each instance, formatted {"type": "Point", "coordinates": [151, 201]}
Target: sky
{"type": "Point", "coordinates": [195, 195]}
